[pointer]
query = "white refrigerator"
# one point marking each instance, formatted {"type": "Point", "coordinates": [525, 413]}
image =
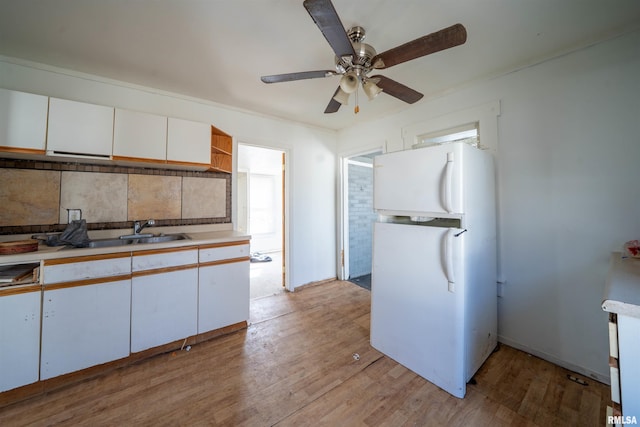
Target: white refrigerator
{"type": "Point", "coordinates": [434, 290]}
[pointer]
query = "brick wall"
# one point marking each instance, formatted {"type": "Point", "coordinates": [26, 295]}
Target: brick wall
{"type": "Point", "coordinates": [361, 219]}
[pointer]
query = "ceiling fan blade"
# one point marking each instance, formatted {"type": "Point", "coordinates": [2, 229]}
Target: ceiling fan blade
{"type": "Point", "coordinates": [277, 78]}
{"type": "Point", "coordinates": [333, 105]}
{"type": "Point", "coordinates": [326, 18]}
{"type": "Point", "coordinates": [398, 90]}
{"type": "Point", "coordinates": [452, 36]}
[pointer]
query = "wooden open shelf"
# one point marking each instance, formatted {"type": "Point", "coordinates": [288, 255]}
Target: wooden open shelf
{"type": "Point", "coordinates": [221, 151]}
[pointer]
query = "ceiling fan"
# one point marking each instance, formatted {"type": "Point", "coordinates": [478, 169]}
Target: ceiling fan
{"type": "Point", "coordinates": [355, 59]}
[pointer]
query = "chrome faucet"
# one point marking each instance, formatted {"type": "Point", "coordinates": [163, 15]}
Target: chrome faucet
{"type": "Point", "coordinates": [137, 227]}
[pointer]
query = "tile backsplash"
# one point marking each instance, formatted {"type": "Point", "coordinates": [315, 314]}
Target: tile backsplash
{"type": "Point", "coordinates": [195, 205]}
{"type": "Point", "coordinates": [29, 197]}
{"type": "Point", "coordinates": [35, 196]}
{"type": "Point", "coordinates": [102, 197]}
{"type": "Point", "coordinates": [153, 196]}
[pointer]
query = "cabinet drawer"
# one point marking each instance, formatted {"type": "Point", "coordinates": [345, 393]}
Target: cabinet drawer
{"type": "Point", "coordinates": [164, 258]}
{"type": "Point", "coordinates": [221, 251]}
{"type": "Point", "coordinates": [83, 268]}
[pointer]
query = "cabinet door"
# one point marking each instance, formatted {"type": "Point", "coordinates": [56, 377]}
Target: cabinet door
{"type": "Point", "coordinates": [23, 121]}
{"type": "Point", "coordinates": [139, 135]}
{"type": "Point", "coordinates": [19, 338]}
{"type": "Point", "coordinates": [188, 142]}
{"type": "Point", "coordinates": [163, 308]}
{"type": "Point", "coordinates": [79, 128]}
{"type": "Point", "coordinates": [223, 297]}
{"type": "Point", "coordinates": [83, 326]}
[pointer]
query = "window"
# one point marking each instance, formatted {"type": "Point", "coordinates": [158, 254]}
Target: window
{"type": "Point", "coordinates": [469, 134]}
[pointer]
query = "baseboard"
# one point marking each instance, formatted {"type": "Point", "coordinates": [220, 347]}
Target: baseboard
{"type": "Point", "coordinates": [312, 284]}
{"type": "Point", "coordinates": [603, 378]}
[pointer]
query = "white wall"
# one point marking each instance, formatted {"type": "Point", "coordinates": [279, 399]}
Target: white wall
{"type": "Point", "coordinates": [568, 164]}
{"type": "Point", "coordinates": [311, 163]}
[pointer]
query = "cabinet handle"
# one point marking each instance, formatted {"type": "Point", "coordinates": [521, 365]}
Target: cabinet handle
{"type": "Point", "coordinates": [163, 270]}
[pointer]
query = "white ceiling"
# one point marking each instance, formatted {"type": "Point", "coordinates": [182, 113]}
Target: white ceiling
{"type": "Point", "coordinates": [218, 49]}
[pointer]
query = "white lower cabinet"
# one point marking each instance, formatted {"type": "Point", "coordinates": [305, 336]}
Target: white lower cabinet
{"type": "Point", "coordinates": [223, 280]}
{"type": "Point", "coordinates": [224, 295]}
{"type": "Point", "coordinates": [96, 309]}
{"type": "Point", "coordinates": [84, 325]}
{"type": "Point", "coordinates": [19, 338]}
{"type": "Point", "coordinates": [164, 296]}
{"type": "Point", "coordinates": [163, 308]}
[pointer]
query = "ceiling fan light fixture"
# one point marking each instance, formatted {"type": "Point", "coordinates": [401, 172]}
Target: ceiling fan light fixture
{"type": "Point", "coordinates": [349, 82]}
{"type": "Point", "coordinates": [371, 89]}
{"type": "Point", "coordinates": [341, 96]}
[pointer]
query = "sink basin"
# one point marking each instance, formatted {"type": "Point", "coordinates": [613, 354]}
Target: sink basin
{"type": "Point", "coordinates": [105, 243]}
{"type": "Point", "coordinates": [162, 238]}
{"type": "Point", "coordinates": [154, 238]}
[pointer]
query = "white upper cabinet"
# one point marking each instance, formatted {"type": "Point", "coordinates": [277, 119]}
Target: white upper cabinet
{"type": "Point", "coordinates": [23, 121]}
{"type": "Point", "coordinates": [79, 128]}
{"type": "Point", "coordinates": [188, 142]}
{"type": "Point", "coordinates": [139, 136]}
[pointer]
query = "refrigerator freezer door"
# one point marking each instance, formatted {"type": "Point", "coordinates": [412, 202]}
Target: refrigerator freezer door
{"type": "Point", "coordinates": [426, 180]}
{"type": "Point", "coordinates": [416, 318]}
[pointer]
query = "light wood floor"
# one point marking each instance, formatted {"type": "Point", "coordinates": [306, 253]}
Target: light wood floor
{"type": "Point", "coordinates": [295, 366]}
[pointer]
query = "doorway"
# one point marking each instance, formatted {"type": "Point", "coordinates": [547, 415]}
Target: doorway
{"type": "Point", "coordinates": [358, 219]}
{"type": "Point", "coordinates": [260, 205]}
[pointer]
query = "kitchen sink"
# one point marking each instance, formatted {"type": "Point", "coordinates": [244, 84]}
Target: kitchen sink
{"type": "Point", "coordinates": [154, 238]}
{"type": "Point", "coordinates": [106, 243]}
{"type": "Point", "coordinates": [160, 238]}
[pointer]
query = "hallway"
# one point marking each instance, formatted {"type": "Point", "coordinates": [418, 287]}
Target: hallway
{"type": "Point", "coordinates": [266, 277]}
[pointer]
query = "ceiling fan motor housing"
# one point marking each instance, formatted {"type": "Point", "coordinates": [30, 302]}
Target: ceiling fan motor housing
{"type": "Point", "coordinates": [361, 64]}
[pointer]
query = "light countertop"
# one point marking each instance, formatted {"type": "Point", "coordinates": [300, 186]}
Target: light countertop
{"type": "Point", "coordinates": [622, 292]}
{"type": "Point", "coordinates": [198, 235]}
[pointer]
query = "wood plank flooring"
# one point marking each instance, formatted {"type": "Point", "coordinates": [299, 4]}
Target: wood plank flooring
{"type": "Point", "coordinates": [305, 360]}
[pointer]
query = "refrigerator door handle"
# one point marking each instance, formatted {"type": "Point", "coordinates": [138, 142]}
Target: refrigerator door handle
{"type": "Point", "coordinates": [448, 258]}
{"type": "Point", "coordinates": [447, 183]}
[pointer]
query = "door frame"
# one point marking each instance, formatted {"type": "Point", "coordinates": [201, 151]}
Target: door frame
{"type": "Point", "coordinates": [286, 156]}
{"type": "Point", "coordinates": [342, 262]}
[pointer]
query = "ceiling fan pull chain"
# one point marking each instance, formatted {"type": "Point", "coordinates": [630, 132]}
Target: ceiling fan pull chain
{"type": "Point", "coordinates": [356, 109]}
